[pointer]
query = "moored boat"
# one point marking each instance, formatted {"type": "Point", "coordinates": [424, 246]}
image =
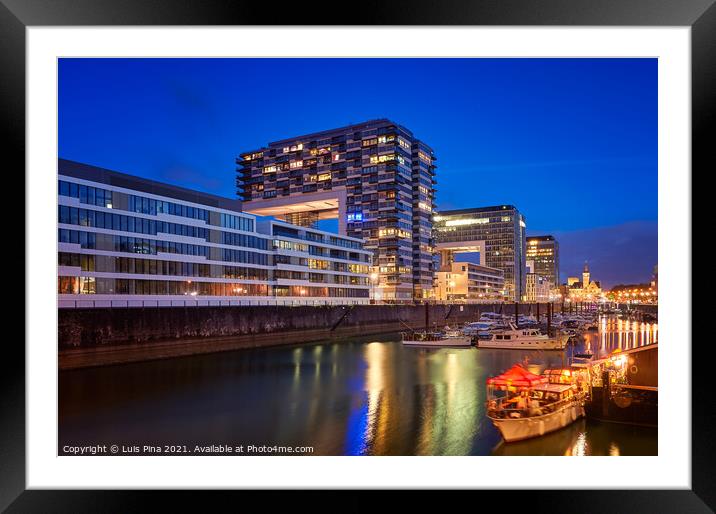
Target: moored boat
{"type": "Point", "coordinates": [523, 405]}
{"type": "Point", "coordinates": [523, 338]}
{"type": "Point", "coordinates": [448, 337]}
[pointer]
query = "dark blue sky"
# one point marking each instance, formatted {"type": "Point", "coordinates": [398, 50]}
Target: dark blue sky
{"type": "Point", "coordinates": [571, 142]}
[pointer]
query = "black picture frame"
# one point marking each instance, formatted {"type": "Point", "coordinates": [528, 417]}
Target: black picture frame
{"type": "Point", "coordinates": [16, 15]}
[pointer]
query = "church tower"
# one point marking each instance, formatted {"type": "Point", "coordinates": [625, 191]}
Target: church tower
{"type": "Point", "coordinates": [585, 276]}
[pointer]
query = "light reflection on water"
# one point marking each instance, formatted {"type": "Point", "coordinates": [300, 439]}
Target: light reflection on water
{"type": "Point", "coordinates": [353, 397]}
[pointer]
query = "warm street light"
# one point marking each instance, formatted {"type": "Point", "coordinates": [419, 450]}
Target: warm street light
{"type": "Point", "coordinates": [373, 281]}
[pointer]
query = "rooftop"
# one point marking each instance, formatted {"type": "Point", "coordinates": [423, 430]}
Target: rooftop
{"type": "Point", "coordinates": [84, 171]}
{"type": "Point", "coordinates": [472, 210]}
{"type": "Point", "coordinates": [364, 125]}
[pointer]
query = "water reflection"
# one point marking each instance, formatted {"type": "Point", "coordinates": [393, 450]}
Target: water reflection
{"type": "Point", "coordinates": [352, 397]}
{"type": "Point", "coordinates": [620, 333]}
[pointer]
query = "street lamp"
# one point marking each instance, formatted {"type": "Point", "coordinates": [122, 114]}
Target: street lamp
{"type": "Point", "coordinates": [373, 281]}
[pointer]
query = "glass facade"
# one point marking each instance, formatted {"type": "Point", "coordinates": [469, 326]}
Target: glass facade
{"type": "Point", "coordinates": [502, 231]}
{"type": "Point", "coordinates": [388, 179]}
{"type": "Point", "coordinates": [543, 251]}
{"type": "Point", "coordinates": [118, 246]}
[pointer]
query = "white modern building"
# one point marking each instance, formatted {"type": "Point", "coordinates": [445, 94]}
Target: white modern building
{"type": "Point", "coordinates": [470, 283]}
{"type": "Point", "coordinates": [124, 241]}
{"type": "Point", "coordinates": [538, 287]}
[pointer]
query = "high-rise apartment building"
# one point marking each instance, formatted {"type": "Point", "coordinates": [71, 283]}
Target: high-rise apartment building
{"type": "Point", "coordinates": [497, 233]}
{"type": "Point", "coordinates": [543, 251]}
{"type": "Point", "coordinates": [376, 177]}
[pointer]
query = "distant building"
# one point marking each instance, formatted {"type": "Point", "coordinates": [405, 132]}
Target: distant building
{"type": "Point", "coordinates": [586, 290]}
{"type": "Point", "coordinates": [125, 241]}
{"type": "Point", "coordinates": [634, 293]}
{"type": "Point", "coordinates": [544, 252]}
{"type": "Point", "coordinates": [497, 233]}
{"type": "Point", "coordinates": [469, 282]}
{"type": "Point", "coordinates": [538, 288]}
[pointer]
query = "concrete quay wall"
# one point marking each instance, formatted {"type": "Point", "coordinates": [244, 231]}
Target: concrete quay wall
{"type": "Point", "coordinates": [98, 327]}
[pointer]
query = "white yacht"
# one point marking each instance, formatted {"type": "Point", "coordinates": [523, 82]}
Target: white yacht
{"type": "Point", "coordinates": [523, 338]}
{"type": "Point", "coordinates": [449, 337]}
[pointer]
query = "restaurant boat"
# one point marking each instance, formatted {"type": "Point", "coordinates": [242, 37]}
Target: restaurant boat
{"type": "Point", "coordinates": [523, 405]}
{"type": "Point", "coordinates": [523, 338]}
{"type": "Point", "coordinates": [448, 337]}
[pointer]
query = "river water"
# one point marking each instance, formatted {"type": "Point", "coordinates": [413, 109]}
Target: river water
{"type": "Point", "coordinates": [358, 396]}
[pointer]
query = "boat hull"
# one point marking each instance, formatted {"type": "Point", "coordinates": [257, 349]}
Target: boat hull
{"type": "Point", "coordinates": [557, 343]}
{"type": "Point", "coordinates": [519, 429]}
{"type": "Point", "coordinates": [448, 341]}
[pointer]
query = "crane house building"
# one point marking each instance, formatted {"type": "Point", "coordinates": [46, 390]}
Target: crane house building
{"type": "Point", "coordinates": [375, 177]}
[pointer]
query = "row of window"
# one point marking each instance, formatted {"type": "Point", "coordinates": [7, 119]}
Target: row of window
{"type": "Point", "coordinates": [101, 285]}
{"type": "Point", "coordinates": [244, 257]}
{"type": "Point", "coordinates": [233, 239]}
{"type": "Point", "coordinates": [113, 264]}
{"type": "Point", "coordinates": [128, 244]}
{"type": "Point", "coordinates": [128, 286]}
{"type": "Point", "coordinates": [120, 222]}
{"type": "Point", "coordinates": [151, 206]}
{"type": "Point", "coordinates": [86, 194]}
{"type": "Point", "coordinates": [237, 222]}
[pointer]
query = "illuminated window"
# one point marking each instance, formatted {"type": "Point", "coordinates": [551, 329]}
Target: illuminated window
{"type": "Point", "coordinates": [293, 148]}
{"type": "Point", "coordinates": [271, 169]}
{"type": "Point", "coordinates": [424, 157]}
{"type": "Point", "coordinates": [469, 221]}
{"type": "Point", "coordinates": [375, 159]}
{"type": "Point", "coordinates": [295, 164]}
{"type": "Point", "coordinates": [324, 176]}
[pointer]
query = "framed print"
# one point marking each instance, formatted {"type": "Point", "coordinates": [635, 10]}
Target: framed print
{"type": "Point", "coordinates": [284, 251]}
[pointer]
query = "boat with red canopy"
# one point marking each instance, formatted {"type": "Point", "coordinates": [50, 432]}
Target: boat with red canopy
{"type": "Point", "coordinates": [522, 404]}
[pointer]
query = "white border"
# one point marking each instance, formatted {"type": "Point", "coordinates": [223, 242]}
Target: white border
{"type": "Point", "coordinates": [670, 469]}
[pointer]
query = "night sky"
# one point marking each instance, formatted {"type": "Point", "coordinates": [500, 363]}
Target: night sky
{"type": "Point", "coordinates": [571, 142]}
